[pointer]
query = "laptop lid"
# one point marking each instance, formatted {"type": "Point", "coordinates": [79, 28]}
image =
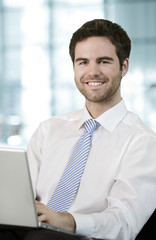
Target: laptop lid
{"type": "Point", "coordinates": [17, 206]}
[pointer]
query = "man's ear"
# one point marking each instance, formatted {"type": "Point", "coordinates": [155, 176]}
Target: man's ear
{"type": "Point", "coordinates": [125, 66]}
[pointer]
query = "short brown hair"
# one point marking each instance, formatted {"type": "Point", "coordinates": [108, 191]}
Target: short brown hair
{"type": "Point", "coordinates": [103, 28]}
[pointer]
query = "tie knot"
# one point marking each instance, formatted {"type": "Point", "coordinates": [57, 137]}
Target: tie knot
{"type": "Point", "coordinates": [90, 125]}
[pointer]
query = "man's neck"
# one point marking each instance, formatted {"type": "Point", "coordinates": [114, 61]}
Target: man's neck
{"type": "Point", "coordinates": [96, 109]}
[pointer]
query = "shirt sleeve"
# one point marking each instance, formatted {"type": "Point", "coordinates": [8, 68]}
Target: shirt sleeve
{"type": "Point", "coordinates": [132, 198]}
{"type": "Point", "coordinates": [34, 152]}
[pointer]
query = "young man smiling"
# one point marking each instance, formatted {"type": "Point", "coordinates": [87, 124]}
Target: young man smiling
{"type": "Point", "coordinates": [117, 191]}
{"type": "Point", "coordinates": [98, 73]}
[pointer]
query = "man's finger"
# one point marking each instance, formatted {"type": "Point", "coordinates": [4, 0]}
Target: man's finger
{"type": "Point", "coordinates": [42, 218]}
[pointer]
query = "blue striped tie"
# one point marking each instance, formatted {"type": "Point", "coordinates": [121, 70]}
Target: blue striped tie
{"type": "Point", "coordinates": [68, 185]}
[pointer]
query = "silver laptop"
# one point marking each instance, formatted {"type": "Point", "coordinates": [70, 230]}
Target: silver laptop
{"type": "Point", "coordinates": [17, 205]}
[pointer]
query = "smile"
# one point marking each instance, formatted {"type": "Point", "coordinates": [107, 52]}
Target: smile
{"type": "Point", "coordinates": [95, 83]}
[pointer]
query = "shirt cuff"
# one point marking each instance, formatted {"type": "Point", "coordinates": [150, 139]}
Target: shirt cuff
{"type": "Point", "coordinates": [84, 224]}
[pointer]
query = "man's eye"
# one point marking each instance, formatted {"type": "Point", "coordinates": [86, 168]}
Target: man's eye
{"type": "Point", "coordinates": [103, 62]}
{"type": "Point", "coordinates": [82, 63]}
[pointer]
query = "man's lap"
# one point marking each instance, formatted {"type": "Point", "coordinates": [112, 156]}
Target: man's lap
{"type": "Point", "coordinates": [34, 234]}
{"type": "Point", "coordinates": [49, 235]}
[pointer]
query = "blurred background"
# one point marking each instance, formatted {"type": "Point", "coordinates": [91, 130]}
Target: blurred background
{"type": "Point", "coordinates": [36, 75]}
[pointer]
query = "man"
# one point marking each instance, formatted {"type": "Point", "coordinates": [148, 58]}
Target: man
{"type": "Point", "coordinates": [117, 191]}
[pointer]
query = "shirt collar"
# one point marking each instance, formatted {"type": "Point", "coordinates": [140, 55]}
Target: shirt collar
{"type": "Point", "coordinates": [109, 119]}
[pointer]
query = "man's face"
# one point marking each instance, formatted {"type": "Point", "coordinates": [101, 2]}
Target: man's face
{"type": "Point", "coordinates": [97, 69]}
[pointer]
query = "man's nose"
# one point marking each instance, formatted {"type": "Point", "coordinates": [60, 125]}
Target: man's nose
{"type": "Point", "coordinates": [93, 70]}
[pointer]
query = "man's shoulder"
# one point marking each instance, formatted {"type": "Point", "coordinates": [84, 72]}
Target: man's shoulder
{"type": "Point", "coordinates": [74, 115]}
{"type": "Point", "coordinates": [137, 125]}
{"type": "Point", "coordinates": [66, 118]}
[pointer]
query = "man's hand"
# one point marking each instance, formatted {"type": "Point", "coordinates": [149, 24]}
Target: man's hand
{"type": "Point", "coordinates": [58, 219]}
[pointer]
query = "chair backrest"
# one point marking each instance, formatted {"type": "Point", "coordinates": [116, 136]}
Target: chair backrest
{"type": "Point", "coordinates": [149, 229]}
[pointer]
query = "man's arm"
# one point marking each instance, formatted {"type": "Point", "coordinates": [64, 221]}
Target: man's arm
{"type": "Point", "coordinates": [58, 219]}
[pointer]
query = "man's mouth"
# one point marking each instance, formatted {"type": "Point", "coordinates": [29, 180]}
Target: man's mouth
{"type": "Point", "coordinates": [95, 83]}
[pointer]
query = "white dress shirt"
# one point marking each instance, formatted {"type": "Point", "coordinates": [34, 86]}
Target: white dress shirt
{"type": "Point", "coordinates": [117, 193]}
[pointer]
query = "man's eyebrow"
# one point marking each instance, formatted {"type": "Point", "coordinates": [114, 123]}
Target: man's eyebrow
{"type": "Point", "coordinates": [80, 59]}
{"type": "Point", "coordinates": [106, 58]}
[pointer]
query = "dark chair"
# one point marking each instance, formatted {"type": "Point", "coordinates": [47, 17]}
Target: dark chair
{"type": "Point", "coordinates": [149, 229]}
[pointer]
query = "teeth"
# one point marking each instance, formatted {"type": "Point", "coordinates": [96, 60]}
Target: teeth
{"type": "Point", "coordinates": [95, 83]}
